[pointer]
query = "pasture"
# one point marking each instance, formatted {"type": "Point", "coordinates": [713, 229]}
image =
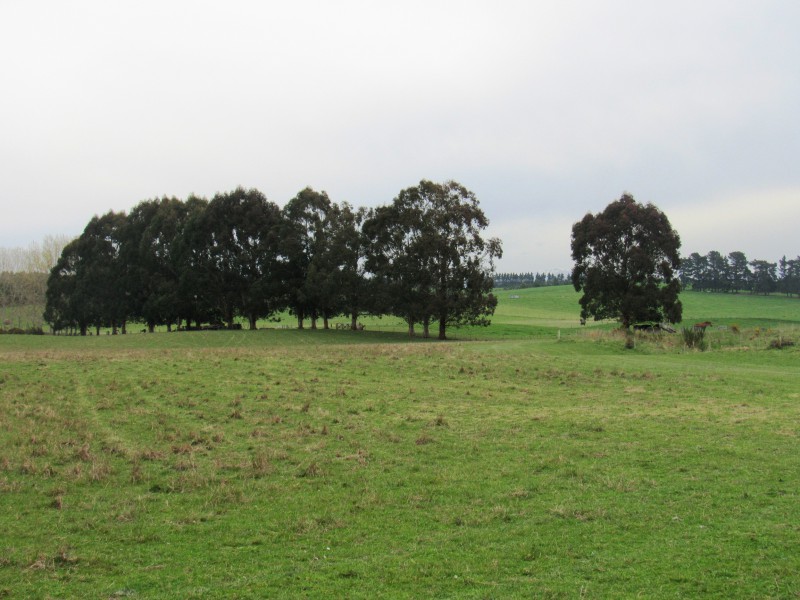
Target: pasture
{"type": "Point", "coordinates": [533, 458]}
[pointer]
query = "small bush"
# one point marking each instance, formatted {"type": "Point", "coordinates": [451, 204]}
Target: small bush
{"type": "Point", "coordinates": [694, 338]}
{"type": "Point", "coordinates": [780, 344]}
{"type": "Point", "coordinates": [630, 341]}
{"type": "Point", "coordinates": [19, 331]}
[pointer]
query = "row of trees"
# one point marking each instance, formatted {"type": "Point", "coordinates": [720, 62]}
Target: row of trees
{"type": "Point", "coordinates": [717, 272]}
{"type": "Point", "coordinates": [37, 257]}
{"type": "Point", "coordinates": [23, 281]}
{"type": "Point", "coordinates": [528, 280]}
{"type": "Point", "coordinates": [170, 262]}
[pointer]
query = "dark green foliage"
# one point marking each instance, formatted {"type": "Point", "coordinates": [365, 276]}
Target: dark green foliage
{"type": "Point", "coordinates": [511, 281]}
{"type": "Point", "coordinates": [233, 251]}
{"type": "Point", "coordinates": [87, 286]}
{"type": "Point", "coordinates": [626, 260]}
{"type": "Point", "coordinates": [765, 278]}
{"type": "Point", "coordinates": [240, 256]}
{"type": "Point", "coordinates": [694, 337]}
{"type": "Point", "coordinates": [737, 271]}
{"type": "Point", "coordinates": [789, 276]}
{"type": "Point", "coordinates": [430, 258]}
{"type": "Point", "coordinates": [150, 253]}
{"type": "Point", "coordinates": [717, 273]}
{"type": "Point", "coordinates": [303, 242]}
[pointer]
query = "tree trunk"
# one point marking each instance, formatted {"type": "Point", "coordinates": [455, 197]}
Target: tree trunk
{"type": "Point", "coordinates": [411, 332]}
{"type": "Point", "coordinates": [124, 327]}
{"type": "Point", "coordinates": [151, 326]}
{"type": "Point", "coordinates": [253, 320]}
{"type": "Point", "coordinates": [426, 327]}
{"type": "Point", "coordinates": [314, 317]}
{"type": "Point", "coordinates": [325, 324]}
{"type": "Point", "coordinates": [354, 321]}
{"type": "Point", "coordinates": [299, 320]}
{"type": "Point", "coordinates": [442, 328]}
{"type": "Point", "coordinates": [114, 330]}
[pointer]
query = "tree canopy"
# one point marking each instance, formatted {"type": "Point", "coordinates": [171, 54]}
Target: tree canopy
{"type": "Point", "coordinates": [240, 256]}
{"type": "Point", "coordinates": [626, 263]}
{"type": "Point", "coordinates": [734, 273]}
{"type": "Point", "coordinates": [428, 252]}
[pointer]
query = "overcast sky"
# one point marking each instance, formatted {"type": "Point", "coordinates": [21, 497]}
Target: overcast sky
{"type": "Point", "coordinates": [547, 110]}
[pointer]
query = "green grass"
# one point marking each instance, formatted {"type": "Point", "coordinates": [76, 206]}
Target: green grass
{"type": "Point", "coordinates": [280, 463]}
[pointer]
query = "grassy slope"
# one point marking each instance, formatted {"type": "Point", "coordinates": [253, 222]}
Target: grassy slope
{"type": "Point", "coordinates": [284, 463]}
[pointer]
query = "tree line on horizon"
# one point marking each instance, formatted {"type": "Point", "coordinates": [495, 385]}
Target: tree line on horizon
{"type": "Point", "coordinates": [734, 273]}
{"type": "Point", "coordinates": [530, 279]}
{"type": "Point", "coordinates": [194, 262]}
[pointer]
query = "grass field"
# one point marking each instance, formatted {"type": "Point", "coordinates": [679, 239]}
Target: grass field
{"type": "Point", "coordinates": [534, 458]}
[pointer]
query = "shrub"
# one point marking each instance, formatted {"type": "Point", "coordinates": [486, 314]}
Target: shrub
{"type": "Point", "coordinates": [630, 341]}
{"type": "Point", "coordinates": [694, 338]}
{"type": "Point", "coordinates": [780, 344]}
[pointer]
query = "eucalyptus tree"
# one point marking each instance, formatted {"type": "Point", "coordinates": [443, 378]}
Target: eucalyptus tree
{"type": "Point", "coordinates": [88, 284]}
{"type": "Point", "coordinates": [104, 280]}
{"type": "Point", "coordinates": [626, 259]}
{"type": "Point", "coordinates": [189, 254]}
{"type": "Point", "coordinates": [230, 254]}
{"type": "Point", "coordinates": [303, 240]}
{"type": "Point", "coordinates": [349, 245]}
{"type": "Point", "coordinates": [399, 272]}
{"type": "Point", "coordinates": [63, 309]}
{"type": "Point", "coordinates": [152, 231]}
{"type": "Point", "coordinates": [430, 258]}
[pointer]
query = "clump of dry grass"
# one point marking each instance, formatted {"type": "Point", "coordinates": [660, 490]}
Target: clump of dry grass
{"type": "Point", "coordinates": [83, 454]}
{"type": "Point", "coordinates": [99, 471]}
{"type": "Point", "coordinates": [260, 464]}
{"type": "Point", "coordinates": [136, 472]}
{"type": "Point", "coordinates": [311, 470]}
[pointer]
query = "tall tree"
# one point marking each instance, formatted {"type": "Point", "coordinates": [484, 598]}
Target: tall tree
{"type": "Point", "coordinates": [63, 308]}
{"type": "Point", "coordinates": [790, 281]}
{"type": "Point", "coordinates": [152, 230]}
{"type": "Point", "coordinates": [626, 259]}
{"type": "Point", "coordinates": [349, 245]}
{"type": "Point", "coordinates": [738, 271]}
{"type": "Point", "coordinates": [103, 280]}
{"type": "Point", "coordinates": [303, 238]}
{"type": "Point", "coordinates": [87, 286]}
{"type": "Point", "coordinates": [429, 244]}
{"type": "Point", "coordinates": [693, 272]}
{"type": "Point", "coordinates": [234, 251]}
{"type": "Point", "coordinates": [717, 278]}
{"type": "Point", "coordinates": [399, 269]}
{"type": "Point", "coordinates": [191, 257]}
{"type": "Point", "coordinates": [764, 277]}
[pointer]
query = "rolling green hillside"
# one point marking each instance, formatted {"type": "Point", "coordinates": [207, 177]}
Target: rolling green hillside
{"type": "Point", "coordinates": [541, 310]}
